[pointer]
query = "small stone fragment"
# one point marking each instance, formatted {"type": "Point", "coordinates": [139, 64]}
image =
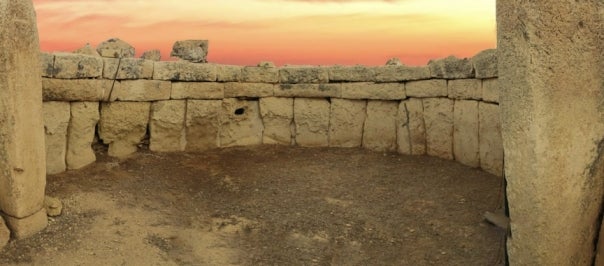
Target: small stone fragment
{"type": "Point", "coordinates": [53, 206]}
{"type": "Point", "coordinates": [115, 48]}
{"type": "Point", "coordinates": [87, 50]}
{"type": "Point", "coordinates": [194, 51]}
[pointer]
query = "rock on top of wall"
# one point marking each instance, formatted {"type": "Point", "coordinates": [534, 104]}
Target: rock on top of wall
{"type": "Point", "coordinates": [351, 73]}
{"type": "Point", "coordinates": [72, 66]}
{"type": "Point", "coordinates": [194, 51]}
{"type": "Point", "coordinates": [115, 48]}
{"type": "Point", "coordinates": [87, 50]}
{"type": "Point", "coordinates": [485, 64]}
{"type": "Point", "coordinates": [153, 55]}
{"type": "Point", "coordinates": [307, 74]}
{"type": "Point", "coordinates": [451, 68]}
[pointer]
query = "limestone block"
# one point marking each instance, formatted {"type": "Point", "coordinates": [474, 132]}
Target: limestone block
{"type": "Point", "coordinates": [374, 91]}
{"type": "Point", "coordinates": [351, 73]}
{"type": "Point", "coordinates": [294, 75]}
{"type": "Point", "coordinates": [127, 68]}
{"type": "Point", "coordinates": [56, 121]}
{"type": "Point", "coordinates": [74, 66]}
{"type": "Point", "coordinates": [153, 55]}
{"type": "Point", "coordinates": [417, 129]}
{"type": "Point", "coordinates": [379, 132]}
{"type": "Point", "coordinates": [195, 51]}
{"type": "Point", "coordinates": [465, 134]}
{"type": "Point", "coordinates": [400, 73]}
{"type": "Point", "coordinates": [115, 48]}
{"type": "Point", "coordinates": [28, 226]}
{"type": "Point", "coordinates": [346, 122]}
{"type": "Point", "coordinates": [203, 124]}
{"type": "Point", "coordinates": [308, 90]}
{"type": "Point", "coordinates": [465, 89]}
{"type": "Point", "coordinates": [92, 90]}
{"type": "Point", "coordinates": [402, 130]}
{"type": "Point", "coordinates": [123, 126]}
{"type": "Point", "coordinates": [241, 123]}
{"type": "Point", "coordinates": [141, 90]}
{"type": "Point", "coordinates": [87, 50]}
{"type": "Point", "coordinates": [197, 90]}
{"type": "Point", "coordinates": [490, 142]}
{"type": "Point", "coordinates": [277, 117]}
{"type": "Point", "coordinates": [451, 68]}
{"type": "Point", "coordinates": [4, 233]}
{"type": "Point", "coordinates": [260, 74]}
{"type": "Point", "coordinates": [167, 126]}
{"type": "Point", "coordinates": [253, 90]}
{"type": "Point", "coordinates": [427, 88]}
{"type": "Point", "coordinates": [490, 90]}
{"type": "Point", "coordinates": [485, 64]}
{"type": "Point", "coordinates": [184, 71]}
{"type": "Point", "coordinates": [81, 131]}
{"type": "Point", "coordinates": [47, 62]}
{"type": "Point", "coordinates": [311, 116]}
{"type": "Point", "coordinates": [438, 119]}
{"type": "Point", "coordinates": [228, 73]}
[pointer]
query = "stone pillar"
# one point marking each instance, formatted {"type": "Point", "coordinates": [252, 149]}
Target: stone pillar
{"type": "Point", "coordinates": [552, 103]}
{"type": "Point", "coordinates": [22, 155]}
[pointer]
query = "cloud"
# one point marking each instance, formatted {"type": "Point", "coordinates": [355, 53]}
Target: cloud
{"type": "Point", "coordinates": [342, 1]}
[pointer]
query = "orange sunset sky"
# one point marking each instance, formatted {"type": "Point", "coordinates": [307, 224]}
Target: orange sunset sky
{"type": "Point", "coordinates": [245, 32]}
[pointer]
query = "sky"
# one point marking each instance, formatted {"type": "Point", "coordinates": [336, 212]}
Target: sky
{"type": "Point", "coordinates": [299, 32]}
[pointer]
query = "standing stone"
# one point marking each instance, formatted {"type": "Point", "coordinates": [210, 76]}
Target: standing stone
{"type": "Point", "coordinates": [346, 122]}
{"type": "Point", "coordinates": [241, 123]}
{"type": "Point", "coordinates": [194, 51]}
{"type": "Point", "coordinates": [491, 146]}
{"type": "Point", "coordinates": [465, 135]}
{"type": "Point", "coordinates": [311, 116]}
{"type": "Point", "coordinates": [167, 126]}
{"type": "Point", "coordinates": [123, 126]}
{"type": "Point", "coordinates": [277, 117]}
{"type": "Point", "coordinates": [402, 131]}
{"type": "Point", "coordinates": [438, 116]}
{"type": "Point", "coordinates": [115, 48]}
{"type": "Point", "coordinates": [379, 132]}
{"type": "Point", "coordinates": [417, 128]}
{"type": "Point", "coordinates": [56, 121]}
{"type": "Point", "coordinates": [203, 124]}
{"type": "Point", "coordinates": [82, 126]}
{"type": "Point", "coordinates": [22, 155]}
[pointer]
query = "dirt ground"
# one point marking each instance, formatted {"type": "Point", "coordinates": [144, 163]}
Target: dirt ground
{"type": "Point", "coordinates": [268, 206]}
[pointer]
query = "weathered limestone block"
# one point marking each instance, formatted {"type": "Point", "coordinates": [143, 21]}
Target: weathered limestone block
{"type": "Point", "coordinates": [490, 90]}
{"type": "Point", "coordinates": [153, 55]}
{"type": "Point", "coordinates": [197, 90]}
{"type": "Point", "coordinates": [308, 90]}
{"type": "Point", "coordinates": [465, 89]}
{"type": "Point", "coordinates": [438, 119]}
{"type": "Point", "coordinates": [87, 50]}
{"type": "Point", "coordinates": [346, 122]}
{"type": "Point", "coordinates": [167, 126]}
{"type": "Point", "coordinates": [92, 90]}
{"type": "Point", "coordinates": [485, 64]}
{"type": "Point", "coordinates": [277, 117]}
{"type": "Point", "coordinates": [195, 51]}
{"type": "Point", "coordinates": [253, 90]}
{"type": "Point", "coordinates": [81, 131]}
{"type": "Point", "coordinates": [451, 68]}
{"type": "Point", "coordinates": [490, 143]}
{"type": "Point", "coordinates": [203, 124]}
{"type": "Point", "coordinates": [127, 68]}
{"type": "Point", "coordinates": [400, 73]}
{"type": "Point", "coordinates": [241, 123]}
{"type": "Point", "coordinates": [141, 90]}
{"type": "Point", "coordinates": [351, 73]}
{"type": "Point", "coordinates": [56, 121]}
{"type": "Point", "coordinates": [74, 66]}
{"type": "Point", "coordinates": [28, 226]}
{"type": "Point", "coordinates": [374, 91]}
{"type": "Point", "coordinates": [403, 139]}
{"type": "Point", "coordinates": [294, 75]}
{"type": "Point", "coordinates": [311, 116]}
{"type": "Point", "coordinates": [47, 62]}
{"type": "Point", "coordinates": [228, 73]}
{"type": "Point", "coordinates": [184, 71]}
{"type": "Point", "coordinates": [123, 125]}
{"type": "Point", "coordinates": [4, 233]}
{"type": "Point", "coordinates": [115, 48]}
{"type": "Point", "coordinates": [427, 88]}
{"type": "Point", "coordinates": [379, 133]}
{"type": "Point", "coordinates": [260, 74]}
{"type": "Point", "coordinates": [417, 129]}
{"type": "Point", "coordinates": [465, 134]}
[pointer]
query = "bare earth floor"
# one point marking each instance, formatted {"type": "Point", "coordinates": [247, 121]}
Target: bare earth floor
{"type": "Point", "coordinates": [269, 206]}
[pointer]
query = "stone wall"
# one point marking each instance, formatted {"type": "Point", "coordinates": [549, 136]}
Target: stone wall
{"type": "Point", "coordinates": [447, 109]}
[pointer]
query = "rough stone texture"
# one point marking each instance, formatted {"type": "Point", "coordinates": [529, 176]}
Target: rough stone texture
{"type": "Point", "coordinates": [438, 118]}
{"type": "Point", "coordinates": [465, 135]}
{"type": "Point", "coordinates": [427, 88]}
{"type": "Point", "coordinates": [417, 129]}
{"type": "Point", "coordinates": [228, 73]}
{"type": "Point", "coordinates": [351, 74]}
{"type": "Point", "coordinates": [266, 64]}
{"type": "Point", "coordinates": [167, 126]}
{"type": "Point", "coordinates": [153, 55]}
{"type": "Point", "coordinates": [550, 75]}
{"type": "Point", "coordinates": [379, 133]}
{"type": "Point", "coordinates": [53, 206]}
{"type": "Point", "coordinates": [311, 116]}
{"type": "Point", "coordinates": [195, 51]}
{"type": "Point", "coordinates": [197, 90]}
{"type": "Point", "coordinates": [451, 68]}
{"type": "Point", "coordinates": [47, 62]}
{"type": "Point", "coordinates": [81, 131]}
{"type": "Point", "coordinates": [127, 68]}
{"type": "Point", "coordinates": [241, 123]}
{"type": "Point", "coordinates": [490, 90]}
{"type": "Point", "coordinates": [400, 73]}
{"type": "Point", "coordinates": [264, 74]}
{"type": "Point", "coordinates": [308, 90]}
{"type": "Point", "coordinates": [277, 117]}
{"type": "Point", "coordinates": [294, 75]}
{"type": "Point", "coordinates": [489, 132]}
{"type": "Point", "coordinates": [56, 121]}
{"type": "Point", "coordinates": [92, 90]}
{"type": "Point", "coordinates": [28, 226]}
{"type": "Point", "coordinates": [184, 71]}
{"type": "Point", "coordinates": [346, 122]}
{"type": "Point", "coordinates": [467, 89]}
{"type": "Point", "coordinates": [22, 156]}
{"type": "Point", "coordinates": [394, 62]}
{"type": "Point", "coordinates": [374, 91]}
{"type": "Point", "coordinates": [141, 90]}
{"type": "Point", "coordinates": [203, 124]}
{"type": "Point", "coordinates": [123, 125]}
{"type": "Point", "coordinates": [87, 50]}
{"type": "Point", "coordinates": [115, 48]}
{"type": "Point", "coordinates": [75, 66]}
{"type": "Point", "coordinates": [403, 140]}
{"type": "Point", "coordinates": [4, 233]}
{"type": "Point", "coordinates": [253, 90]}
{"type": "Point", "coordinates": [485, 64]}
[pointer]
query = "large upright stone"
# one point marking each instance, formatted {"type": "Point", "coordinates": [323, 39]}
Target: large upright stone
{"type": "Point", "coordinates": [379, 132]}
{"type": "Point", "coordinates": [311, 116]}
{"type": "Point", "coordinates": [346, 122]}
{"type": "Point", "coordinates": [277, 117]}
{"type": "Point", "coordinates": [241, 123]}
{"type": "Point", "coordinates": [417, 128]}
{"type": "Point", "coordinates": [203, 124]}
{"type": "Point", "coordinates": [167, 126]}
{"type": "Point", "coordinates": [56, 121]}
{"type": "Point", "coordinates": [403, 139]}
{"type": "Point", "coordinates": [81, 131]}
{"type": "Point", "coordinates": [489, 135]}
{"type": "Point", "coordinates": [465, 134]}
{"type": "Point", "coordinates": [438, 117]}
{"type": "Point", "coordinates": [123, 126]}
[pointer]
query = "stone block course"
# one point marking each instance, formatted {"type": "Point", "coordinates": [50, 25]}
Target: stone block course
{"type": "Point", "coordinates": [465, 89]}
{"type": "Point", "coordinates": [308, 90]}
{"type": "Point", "coordinates": [56, 121]}
{"type": "Point", "coordinates": [252, 90]}
{"type": "Point", "coordinates": [294, 75]}
{"type": "Point", "coordinates": [167, 126]}
{"type": "Point", "coordinates": [438, 119]}
{"type": "Point", "coordinates": [417, 129]}
{"type": "Point", "coordinates": [451, 68]}
{"type": "Point", "coordinates": [490, 90]}
{"type": "Point", "coordinates": [311, 116]}
{"type": "Point", "coordinates": [203, 124]}
{"type": "Point", "coordinates": [379, 133]}
{"type": "Point", "coordinates": [401, 73]}
{"type": "Point", "coordinates": [75, 66]}
{"type": "Point", "coordinates": [184, 71]}
{"type": "Point", "coordinates": [127, 68]}
{"type": "Point", "coordinates": [241, 124]}
{"type": "Point", "coordinates": [197, 90]}
{"type": "Point", "coordinates": [228, 73]}
{"type": "Point", "coordinates": [351, 74]}
{"type": "Point", "coordinates": [141, 90]}
{"type": "Point", "coordinates": [93, 90]}
{"type": "Point", "coordinates": [427, 88]}
{"type": "Point", "coordinates": [81, 131]}
{"type": "Point", "coordinates": [346, 122]}
{"type": "Point", "coordinates": [277, 116]}
{"type": "Point", "coordinates": [261, 74]}
{"type": "Point", "coordinates": [485, 64]}
{"type": "Point", "coordinates": [465, 135]}
{"type": "Point", "coordinates": [373, 91]}
{"type": "Point", "coordinates": [123, 125]}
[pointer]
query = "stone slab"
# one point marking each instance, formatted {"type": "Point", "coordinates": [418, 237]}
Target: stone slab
{"type": "Point", "coordinates": [197, 90]}
{"type": "Point", "coordinates": [401, 73]}
{"type": "Point", "coordinates": [346, 122]}
{"type": "Point", "coordinates": [465, 89]}
{"type": "Point", "coordinates": [308, 90]}
{"type": "Point", "coordinates": [438, 119]}
{"type": "Point", "coordinates": [379, 133]}
{"type": "Point", "coordinates": [373, 91]}
{"type": "Point", "coordinates": [241, 124]}
{"type": "Point", "coordinates": [351, 73]}
{"type": "Point", "coordinates": [167, 126]}
{"type": "Point", "coordinates": [485, 64]}
{"type": "Point", "coordinates": [451, 68]}
{"type": "Point", "coordinates": [77, 66]}
{"type": "Point", "coordinates": [278, 117]}
{"type": "Point", "coordinates": [417, 129]}
{"type": "Point", "coordinates": [141, 90]}
{"type": "Point", "coordinates": [90, 90]}
{"type": "Point", "coordinates": [56, 121]}
{"type": "Point", "coordinates": [81, 132]}
{"type": "Point", "coordinates": [184, 71]}
{"type": "Point", "coordinates": [311, 116]}
{"type": "Point", "coordinates": [203, 124]}
{"type": "Point", "coordinates": [252, 90]}
{"type": "Point", "coordinates": [260, 74]}
{"type": "Point", "coordinates": [465, 135]}
{"type": "Point", "coordinates": [427, 88]}
{"type": "Point", "coordinates": [127, 68]}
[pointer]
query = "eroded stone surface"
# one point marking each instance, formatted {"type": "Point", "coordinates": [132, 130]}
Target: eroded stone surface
{"type": "Point", "coordinates": [141, 90]}
{"type": "Point", "coordinates": [485, 64]}
{"type": "Point", "coordinates": [74, 66]}
{"type": "Point", "coordinates": [115, 48]}
{"type": "Point", "coordinates": [394, 73]}
{"type": "Point", "coordinates": [47, 61]}
{"type": "Point", "coordinates": [127, 68]}
{"type": "Point", "coordinates": [491, 146]}
{"type": "Point", "coordinates": [466, 89]}
{"type": "Point", "coordinates": [81, 131]}
{"type": "Point", "coordinates": [195, 51]}
{"type": "Point", "coordinates": [451, 68]}
{"type": "Point", "coordinates": [87, 50]}
{"type": "Point", "coordinates": [203, 124]}
{"type": "Point", "coordinates": [153, 55]}
{"type": "Point", "coordinates": [465, 135]}
{"type": "Point", "coordinates": [403, 139]}
{"type": "Point", "coordinates": [347, 119]}
{"type": "Point", "coordinates": [4, 233]}
{"type": "Point", "coordinates": [260, 74]}
{"type": "Point", "coordinates": [27, 226]}
{"type": "Point", "coordinates": [438, 117]}
{"type": "Point", "coordinates": [92, 90]}
{"type": "Point", "coordinates": [197, 90]}
{"type": "Point", "coordinates": [56, 121]}
{"type": "Point", "coordinates": [293, 75]}
{"type": "Point", "coordinates": [311, 116]}
{"type": "Point", "coordinates": [308, 90]}
{"type": "Point", "coordinates": [373, 91]}
{"type": "Point", "coordinates": [184, 71]}
{"type": "Point", "coordinates": [277, 117]}
{"type": "Point", "coordinates": [228, 73]}
{"type": "Point", "coordinates": [241, 123]}
{"type": "Point", "coordinates": [417, 129]}
{"type": "Point", "coordinates": [427, 88]}
{"type": "Point", "coordinates": [167, 126]}
{"type": "Point", "coordinates": [254, 90]}
{"type": "Point", "coordinates": [379, 133]}
{"type": "Point", "coordinates": [351, 73]}
{"type": "Point", "coordinates": [123, 125]}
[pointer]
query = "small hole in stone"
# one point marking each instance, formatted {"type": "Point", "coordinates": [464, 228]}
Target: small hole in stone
{"type": "Point", "coordinates": [240, 111]}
